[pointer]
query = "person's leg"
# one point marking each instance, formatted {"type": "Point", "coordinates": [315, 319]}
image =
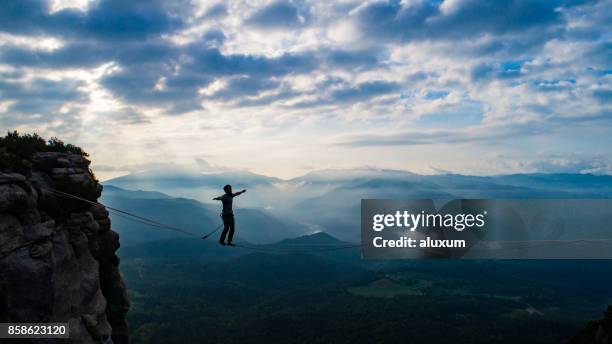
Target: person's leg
{"type": "Point", "coordinates": [226, 227]}
{"type": "Point", "coordinates": [232, 225]}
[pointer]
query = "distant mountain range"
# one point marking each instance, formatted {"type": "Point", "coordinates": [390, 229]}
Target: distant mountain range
{"type": "Point", "coordinates": [329, 200]}
{"type": "Point", "coordinates": [519, 185]}
{"type": "Point", "coordinates": [253, 225]}
{"type": "Point", "coordinates": [320, 238]}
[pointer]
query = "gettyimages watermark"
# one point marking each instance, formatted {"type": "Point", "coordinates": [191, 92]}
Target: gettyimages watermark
{"type": "Point", "coordinates": [487, 229]}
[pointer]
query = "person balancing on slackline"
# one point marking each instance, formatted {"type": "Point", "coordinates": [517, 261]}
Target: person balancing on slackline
{"type": "Point", "coordinates": [227, 214]}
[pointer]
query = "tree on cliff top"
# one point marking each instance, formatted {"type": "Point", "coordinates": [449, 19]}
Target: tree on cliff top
{"type": "Point", "coordinates": [16, 150]}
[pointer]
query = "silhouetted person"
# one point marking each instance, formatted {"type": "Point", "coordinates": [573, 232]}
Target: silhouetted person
{"type": "Point", "coordinates": [227, 214]}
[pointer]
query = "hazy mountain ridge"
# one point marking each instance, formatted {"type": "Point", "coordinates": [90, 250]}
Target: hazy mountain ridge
{"type": "Point", "coordinates": [329, 200]}
{"type": "Point", "coordinates": [320, 238]}
{"type": "Point", "coordinates": [372, 178]}
{"type": "Point", "coordinates": [113, 191]}
{"type": "Point", "coordinates": [253, 225]}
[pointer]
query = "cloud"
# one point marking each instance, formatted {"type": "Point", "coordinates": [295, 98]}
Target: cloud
{"type": "Point", "coordinates": [282, 94]}
{"type": "Point", "coordinates": [422, 72]}
{"type": "Point", "coordinates": [432, 137]}
{"type": "Point", "coordinates": [126, 115]}
{"type": "Point", "coordinates": [604, 96]}
{"type": "Point", "coordinates": [364, 90]}
{"type": "Point", "coordinates": [37, 99]}
{"type": "Point", "coordinates": [88, 54]}
{"type": "Point", "coordinates": [451, 19]}
{"type": "Point", "coordinates": [216, 11]}
{"type": "Point", "coordinates": [279, 14]}
{"type": "Point", "coordinates": [503, 70]}
{"type": "Point", "coordinates": [395, 20]}
{"type": "Point", "coordinates": [197, 165]}
{"type": "Point", "coordinates": [157, 86]}
{"type": "Point", "coordinates": [176, 87]}
{"type": "Point", "coordinates": [214, 36]}
{"type": "Point", "coordinates": [350, 59]}
{"type": "Point", "coordinates": [203, 164]}
{"type": "Point", "coordinates": [106, 20]}
{"type": "Point", "coordinates": [244, 86]}
{"type": "Point", "coordinates": [212, 62]}
{"type": "Point", "coordinates": [569, 164]}
{"type": "Point", "coordinates": [107, 168]}
{"type": "Point", "coordinates": [357, 93]}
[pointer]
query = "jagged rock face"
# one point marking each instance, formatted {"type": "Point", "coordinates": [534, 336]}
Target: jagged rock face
{"type": "Point", "coordinates": [596, 332]}
{"type": "Point", "coordinates": [57, 255]}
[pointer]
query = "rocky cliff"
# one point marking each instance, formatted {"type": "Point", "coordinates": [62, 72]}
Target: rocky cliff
{"type": "Point", "coordinates": [596, 332]}
{"type": "Point", "coordinates": [57, 255]}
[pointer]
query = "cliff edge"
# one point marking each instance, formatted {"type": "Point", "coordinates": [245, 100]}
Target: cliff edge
{"type": "Point", "coordinates": [57, 254]}
{"type": "Point", "coordinates": [596, 332]}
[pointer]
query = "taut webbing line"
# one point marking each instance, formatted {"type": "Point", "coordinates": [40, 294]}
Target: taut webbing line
{"type": "Point", "coordinates": [153, 223]}
{"type": "Point", "coordinates": [297, 248]}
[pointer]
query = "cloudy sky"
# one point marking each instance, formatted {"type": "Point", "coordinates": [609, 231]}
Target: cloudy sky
{"type": "Point", "coordinates": [284, 87]}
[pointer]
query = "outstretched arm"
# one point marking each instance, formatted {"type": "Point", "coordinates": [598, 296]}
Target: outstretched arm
{"type": "Point", "coordinates": [239, 193]}
{"type": "Point", "coordinates": [217, 198]}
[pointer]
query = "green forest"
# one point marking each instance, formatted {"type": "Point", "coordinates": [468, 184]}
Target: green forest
{"type": "Point", "coordinates": [337, 297]}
